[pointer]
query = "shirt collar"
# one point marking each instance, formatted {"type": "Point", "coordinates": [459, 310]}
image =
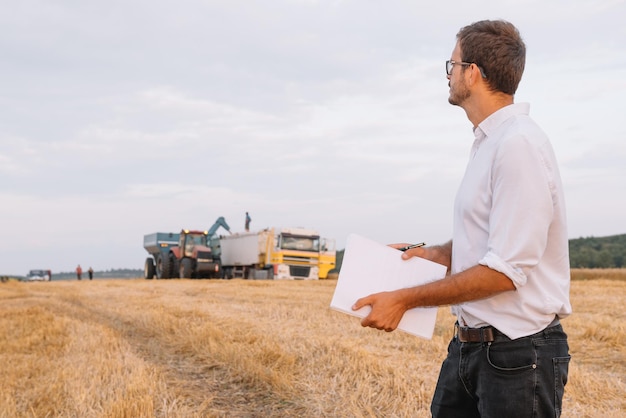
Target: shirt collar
{"type": "Point", "coordinates": [494, 120]}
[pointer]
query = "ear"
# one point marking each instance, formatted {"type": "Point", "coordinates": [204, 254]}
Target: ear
{"type": "Point", "coordinates": [476, 74]}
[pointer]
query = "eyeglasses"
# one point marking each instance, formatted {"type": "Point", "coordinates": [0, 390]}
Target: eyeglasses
{"type": "Point", "coordinates": [452, 63]}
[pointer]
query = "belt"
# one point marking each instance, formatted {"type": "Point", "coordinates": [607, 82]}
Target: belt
{"type": "Point", "coordinates": [485, 334]}
{"type": "Point", "coordinates": [475, 335]}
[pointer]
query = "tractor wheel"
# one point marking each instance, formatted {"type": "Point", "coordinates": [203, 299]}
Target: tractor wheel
{"type": "Point", "coordinates": [148, 269]}
{"type": "Point", "coordinates": [186, 268]}
{"type": "Point", "coordinates": [159, 266]}
{"type": "Point", "coordinates": [166, 267]}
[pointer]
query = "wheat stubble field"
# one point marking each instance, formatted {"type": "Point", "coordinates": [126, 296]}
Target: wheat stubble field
{"type": "Point", "coordinates": [215, 348]}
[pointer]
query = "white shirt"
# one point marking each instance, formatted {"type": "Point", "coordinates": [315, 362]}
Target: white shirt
{"type": "Point", "coordinates": [509, 215]}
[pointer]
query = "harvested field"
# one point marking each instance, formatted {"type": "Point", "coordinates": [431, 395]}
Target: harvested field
{"type": "Point", "coordinates": [214, 348]}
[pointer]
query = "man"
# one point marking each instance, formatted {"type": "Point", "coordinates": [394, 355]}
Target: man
{"type": "Point", "coordinates": [508, 261]}
{"type": "Point", "coordinates": [248, 219]}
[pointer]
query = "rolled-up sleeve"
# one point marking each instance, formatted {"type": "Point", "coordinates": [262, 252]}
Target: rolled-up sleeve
{"type": "Point", "coordinates": [516, 274]}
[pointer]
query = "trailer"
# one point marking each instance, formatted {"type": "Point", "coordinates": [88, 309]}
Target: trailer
{"type": "Point", "coordinates": [275, 253]}
{"type": "Point", "coordinates": [158, 245]}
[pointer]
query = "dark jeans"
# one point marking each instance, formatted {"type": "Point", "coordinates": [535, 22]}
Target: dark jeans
{"type": "Point", "coordinates": [505, 378]}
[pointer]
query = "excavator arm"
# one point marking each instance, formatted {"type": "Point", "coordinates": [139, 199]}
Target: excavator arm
{"type": "Point", "coordinates": [219, 222]}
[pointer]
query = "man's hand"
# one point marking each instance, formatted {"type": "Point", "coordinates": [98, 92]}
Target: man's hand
{"type": "Point", "coordinates": [441, 254]}
{"type": "Point", "coordinates": [413, 252]}
{"type": "Point", "coordinates": [389, 307]}
{"type": "Point", "coordinates": [387, 310]}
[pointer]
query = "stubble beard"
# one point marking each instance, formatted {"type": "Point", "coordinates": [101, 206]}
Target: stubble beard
{"type": "Point", "coordinates": [458, 94]}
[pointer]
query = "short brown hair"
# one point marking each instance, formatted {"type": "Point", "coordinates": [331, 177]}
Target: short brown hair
{"type": "Point", "coordinates": [496, 46]}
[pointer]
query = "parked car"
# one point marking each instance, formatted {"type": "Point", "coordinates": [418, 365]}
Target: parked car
{"type": "Point", "coordinates": [38, 276]}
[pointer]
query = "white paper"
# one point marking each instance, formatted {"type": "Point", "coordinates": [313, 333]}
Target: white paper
{"type": "Point", "coordinates": [370, 267]}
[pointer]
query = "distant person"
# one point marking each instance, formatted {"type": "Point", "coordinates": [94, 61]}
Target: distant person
{"type": "Point", "coordinates": [248, 219]}
{"type": "Point", "coordinates": [49, 275]}
{"type": "Point", "coordinates": [79, 272]}
{"type": "Point", "coordinates": [508, 266]}
{"type": "Point", "coordinates": [90, 271]}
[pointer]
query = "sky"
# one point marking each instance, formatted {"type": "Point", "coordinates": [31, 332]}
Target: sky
{"type": "Point", "coordinates": [123, 118]}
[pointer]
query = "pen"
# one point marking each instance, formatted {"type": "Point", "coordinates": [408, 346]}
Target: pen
{"type": "Point", "coordinates": [408, 247]}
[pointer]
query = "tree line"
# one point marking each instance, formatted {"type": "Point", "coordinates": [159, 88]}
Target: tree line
{"type": "Point", "coordinates": [598, 252]}
{"type": "Point", "coordinates": [121, 273]}
{"type": "Point", "coordinates": [589, 252]}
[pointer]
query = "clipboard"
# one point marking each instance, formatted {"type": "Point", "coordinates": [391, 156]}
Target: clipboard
{"type": "Point", "coordinates": [370, 267]}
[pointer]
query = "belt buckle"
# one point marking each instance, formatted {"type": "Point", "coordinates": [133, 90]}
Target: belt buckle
{"type": "Point", "coordinates": [474, 335]}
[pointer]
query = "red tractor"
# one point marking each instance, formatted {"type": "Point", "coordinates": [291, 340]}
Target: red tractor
{"type": "Point", "coordinates": [184, 255]}
{"type": "Point", "coordinates": [191, 259]}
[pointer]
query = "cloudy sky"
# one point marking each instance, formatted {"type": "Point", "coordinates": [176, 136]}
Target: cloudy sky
{"type": "Point", "coordinates": [122, 118]}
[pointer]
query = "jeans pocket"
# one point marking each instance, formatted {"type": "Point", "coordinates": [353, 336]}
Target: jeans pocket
{"type": "Point", "coordinates": [561, 367]}
{"type": "Point", "coordinates": [512, 356]}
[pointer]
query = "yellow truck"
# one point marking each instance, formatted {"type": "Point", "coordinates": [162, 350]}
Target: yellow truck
{"type": "Point", "coordinates": [275, 253]}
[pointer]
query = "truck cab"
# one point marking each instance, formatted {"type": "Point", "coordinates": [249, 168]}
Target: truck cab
{"type": "Point", "coordinates": [296, 254]}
